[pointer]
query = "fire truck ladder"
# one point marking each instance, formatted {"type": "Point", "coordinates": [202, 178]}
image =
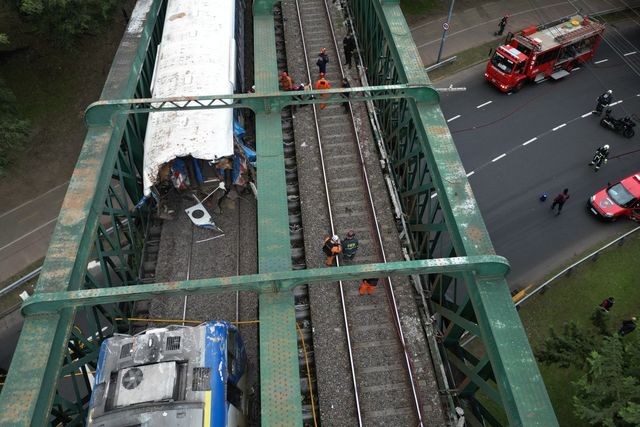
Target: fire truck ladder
{"type": "Point", "coordinates": [579, 32]}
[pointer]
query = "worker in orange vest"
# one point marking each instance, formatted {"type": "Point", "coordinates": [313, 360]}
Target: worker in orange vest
{"type": "Point", "coordinates": [368, 286]}
{"type": "Point", "coordinates": [285, 81]}
{"type": "Point", "coordinates": [331, 248]}
{"type": "Point", "coordinates": [322, 84]}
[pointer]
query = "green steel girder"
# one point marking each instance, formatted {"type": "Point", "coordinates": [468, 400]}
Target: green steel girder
{"type": "Point", "coordinates": [489, 266]}
{"type": "Point", "coordinates": [30, 387]}
{"type": "Point", "coordinates": [391, 58]}
{"type": "Point", "coordinates": [102, 113]}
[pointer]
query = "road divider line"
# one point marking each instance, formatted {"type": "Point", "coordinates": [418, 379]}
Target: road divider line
{"type": "Point", "coordinates": [499, 157]}
{"type": "Point", "coordinates": [470, 173]}
{"type": "Point", "coordinates": [601, 61]}
{"type": "Point", "coordinates": [482, 105]}
{"type": "Point", "coordinates": [558, 127]}
{"type": "Point", "coordinates": [576, 69]}
{"type": "Point", "coordinates": [34, 199]}
{"type": "Point", "coordinates": [434, 195]}
{"type": "Point", "coordinates": [587, 114]}
{"type": "Point", "coordinates": [535, 138]}
{"type": "Point", "coordinates": [615, 103]}
{"type": "Point", "coordinates": [453, 118]}
{"type": "Point", "coordinates": [29, 233]}
{"type": "Point", "coordinates": [630, 53]}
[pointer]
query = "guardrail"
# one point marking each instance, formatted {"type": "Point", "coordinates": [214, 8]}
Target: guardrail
{"type": "Point", "coordinates": [21, 281]}
{"type": "Point", "coordinates": [592, 255]}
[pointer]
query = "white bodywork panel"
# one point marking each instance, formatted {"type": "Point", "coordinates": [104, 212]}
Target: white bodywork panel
{"type": "Point", "coordinates": [197, 56]}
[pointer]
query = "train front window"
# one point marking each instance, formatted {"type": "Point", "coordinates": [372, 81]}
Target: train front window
{"type": "Point", "coordinates": [502, 63]}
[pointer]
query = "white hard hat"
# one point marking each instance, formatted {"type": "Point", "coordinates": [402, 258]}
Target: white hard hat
{"type": "Point", "coordinates": [606, 147]}
{"type": "Point", "coordinates": [609, 91]}
{"type": "Point", "coordinates": [335, 239]}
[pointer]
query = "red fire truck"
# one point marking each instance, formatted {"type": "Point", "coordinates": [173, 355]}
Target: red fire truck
{"type": "Point", "coordinates": [540, 52]}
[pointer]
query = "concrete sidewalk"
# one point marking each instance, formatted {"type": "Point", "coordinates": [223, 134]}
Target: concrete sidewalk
{"type": "Point", "coordinates": [475, 26]}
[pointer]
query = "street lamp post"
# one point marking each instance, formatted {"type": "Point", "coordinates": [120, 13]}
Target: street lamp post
{"type": "Point", "coordinates": [445, 28]}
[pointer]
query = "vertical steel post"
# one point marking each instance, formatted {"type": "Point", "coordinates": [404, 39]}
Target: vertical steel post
{"type": "Point", "coordinates": [444, 30]}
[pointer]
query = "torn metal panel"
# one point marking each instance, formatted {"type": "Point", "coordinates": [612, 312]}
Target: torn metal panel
{"type": "Point", "coordinates": [197, 56]}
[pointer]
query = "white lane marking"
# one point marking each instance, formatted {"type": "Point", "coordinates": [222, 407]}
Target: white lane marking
{"type": "Point", "coordinates": [576, 69]}
{"type": "Point", "coordinates": [535, 138]}
{"type": "Point", "coordinates": [630, 53]}
{"type": "Point", "coordinates": [499, 157]}
{"type": "Point", "coordinates": [29, 233]}
{"type": "Point", "coordinates": [434, 195]}
{"type": "Point", "coordinates": [453, 118]}
{"type": "Point", "coordinates": [558, 127]}
{"type": "Point", "coordinates": [615, 103]}
{"type": "Point", "coordinates": [601, 61]}
{"type": "Point", "coordinates": [486, 103]}
{"type": "Point", "coordinates": [470, 173]}
{"type": "Point", "coordinates": [34, 199]}
{"type": "Point", "coordinates": [587, 114]}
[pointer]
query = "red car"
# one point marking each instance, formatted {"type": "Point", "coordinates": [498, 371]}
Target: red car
{"type": "Point", "coordinates": [618, 200]}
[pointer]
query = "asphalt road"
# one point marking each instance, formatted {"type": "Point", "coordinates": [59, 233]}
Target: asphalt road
{"type": "Point", "coordinates": [508, 169]}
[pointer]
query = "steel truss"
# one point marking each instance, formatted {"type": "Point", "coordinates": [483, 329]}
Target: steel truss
{"type": "Point", "coordinates": [99, 226]}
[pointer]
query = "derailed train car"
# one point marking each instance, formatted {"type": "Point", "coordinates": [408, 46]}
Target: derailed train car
{"type": "Point", "coordinates": [197, 56]}
{"type": "Point", "coordinates": [175, 376]}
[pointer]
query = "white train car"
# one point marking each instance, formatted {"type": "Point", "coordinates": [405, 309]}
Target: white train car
{"type": "Point", "coordinates": [196, 57]}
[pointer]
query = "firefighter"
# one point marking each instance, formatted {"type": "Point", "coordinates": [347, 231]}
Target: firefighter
{"type": "Point", "coordinates": [349, 245]}
{"type": "Point", "coordinates": [603, 101]}
{"type": "Point", "coordinates": [600, 157]}
{"type": "Point", "coordinates": [285, 81]}
{"type": "Point", "coordinates": [322, 84]}
{"type": "Point", "coordinates": [331, 248]}
{"type": "Point", "coordinates": [368, 286]}
{"type": "Point", "coordinates": [349, 45]}
{"type": "Point", "coordinates": [501, 25]}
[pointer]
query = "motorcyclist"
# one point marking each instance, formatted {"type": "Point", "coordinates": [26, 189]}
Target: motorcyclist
{"type": "Point", "coordinates": [603, 101]}
{"type": "Point", "coordinates": [600, 157]}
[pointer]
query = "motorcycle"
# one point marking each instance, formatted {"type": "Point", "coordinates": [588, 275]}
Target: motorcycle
{"type": "Point", "coordinates": [624, 126]}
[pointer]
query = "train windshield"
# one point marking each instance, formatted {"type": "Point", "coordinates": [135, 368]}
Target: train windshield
{"type": "Point", "coordinates": [621, 196]}
{"type": "Point", "coordinates": [502, 63]}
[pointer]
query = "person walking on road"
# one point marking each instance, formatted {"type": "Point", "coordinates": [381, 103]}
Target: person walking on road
{"type": "Point", "coordinates": [607, 304]}
{"type": "Point", "coordinates": [501, 25]}
{"type": "Point", "coordinates": [368, 286]}
{"type": "Point", "coordinates": [323, 60]}
{"type": "Point", "coordinates": [603, 101]}
{"type": "Point", "coordinates": [285, 81]}
{"type": "Point", "coordinates": [600, 157]}
{"type": "Point", "coordinates": [349, 245]}
{"type": "Point", "coordinates": [331, 248]}
{"type": "Point", "coordinates": [322, 84]}
{"type": "Point", "coordinates": [560, 200]}
{"type": "Point", "coordinates": [345, 85]}
{"type": "Point", "coordinates": [627, 327]}
{"type": "Point", "coordinates": [349, 45]}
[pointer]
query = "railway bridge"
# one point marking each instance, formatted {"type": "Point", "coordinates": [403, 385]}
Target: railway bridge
{"type": "Point", "coordinates": [449, 259]}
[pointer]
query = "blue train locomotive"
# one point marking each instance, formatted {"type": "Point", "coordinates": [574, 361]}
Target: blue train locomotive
{"type": "Point", "coordinates": [174, 376]}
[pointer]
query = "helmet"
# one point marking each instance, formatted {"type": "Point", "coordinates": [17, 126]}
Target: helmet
{"type": "Point", "coordinates": [335, 239]}
{"type": "Point", "coordinates": [609, 91]}
{"type": "Point", "coordinates": [606, 147]}
{"type": "Point", "coordinates": [323, 49]}
{"type": "Point", "coordinates": [351, 233]}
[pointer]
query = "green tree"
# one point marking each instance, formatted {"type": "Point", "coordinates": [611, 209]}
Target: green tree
{"type": "Point", "coordinates": [570, 348]}
{"type": "Point", "coordinates": [68, 19]}
{"type": "Point", "coordinates": [13, 130]}
{"type": "Point", "coordinates": [609, 393]}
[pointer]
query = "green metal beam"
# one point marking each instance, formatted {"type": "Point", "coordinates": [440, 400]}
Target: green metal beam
{"type": "Point", "coordinates": [29, 390]}
{"type": "Point", "coordinates": [280, 396]}
{"type": "Point", "coordinates": [102, 113]}
{"type": "Point", "coordinates": [277, 281]}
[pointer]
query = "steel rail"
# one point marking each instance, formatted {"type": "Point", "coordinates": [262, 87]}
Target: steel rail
{"type": "Point", "coordinates": [331, 222]}
{"type": "Point", "coordinates": [393, 305]}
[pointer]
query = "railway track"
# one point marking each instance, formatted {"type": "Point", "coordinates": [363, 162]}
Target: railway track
{"type": "Point", "coordinates": [368, 377]}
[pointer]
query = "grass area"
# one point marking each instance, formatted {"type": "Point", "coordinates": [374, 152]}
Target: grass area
{"type": "Point", "coordinates": [574, 298]}
{"type": "Point", "coordinates": [465, 59]}
{"type": "Point", "coordinates": [12, 299]}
